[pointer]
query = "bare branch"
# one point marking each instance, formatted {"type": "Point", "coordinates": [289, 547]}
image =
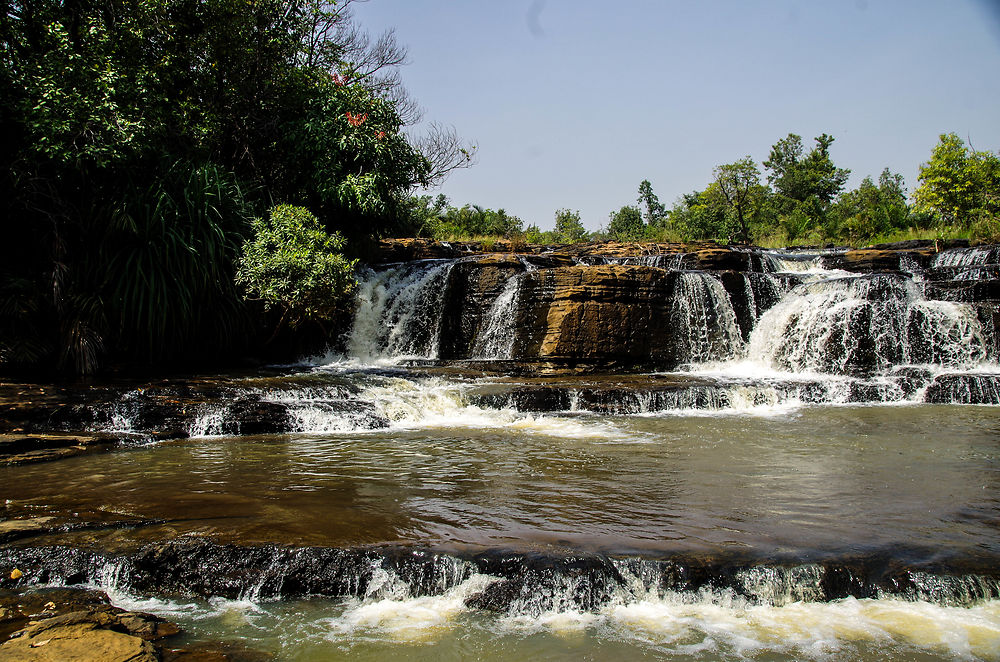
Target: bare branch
{"type": "Point", "coordinates": [445, 151]}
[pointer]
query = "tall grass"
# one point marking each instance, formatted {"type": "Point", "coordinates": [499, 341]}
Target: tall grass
{"type": "Point", "coordinates": [167, 262]}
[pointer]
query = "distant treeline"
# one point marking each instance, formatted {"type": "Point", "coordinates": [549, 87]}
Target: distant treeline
{"type": "Point", "coordinates": [795, 196]}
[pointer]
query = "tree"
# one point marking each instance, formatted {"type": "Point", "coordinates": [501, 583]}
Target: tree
{"type": "Point", "coordinates": [291, 263]}
{"type": "Point", "coordinates": [805, 184]}
{"type": "Point", "coordinates": [871, 210]}
{"type": "Point", "coordinates": [653, 211]}
{"type": "Point", "coordinates": [569, 229]}
{"type": "Point", "coordinates": [739, 184]}
{"type": "Point", "coordinates": [702, 215]}
{"type": "Point", "coordinates": [112, 112]}
{"type": "Point", "coordinates": [959, 184]}
{"type": "Point", "coordinates": [626, 224]}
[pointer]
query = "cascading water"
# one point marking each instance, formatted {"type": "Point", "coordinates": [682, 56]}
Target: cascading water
{"type": "Point", "coordinates": [717, 511]}
{"type": "Point", "coordinates": [863, 325]}
{"type": "Point", "coordinates": [399, 312]}
{"type": "Point", "coordinates": [496, 339]}
{"type": "Point", "coordinates": [969, 264]}
{"type": "Point", "coordinates": [704, 322]}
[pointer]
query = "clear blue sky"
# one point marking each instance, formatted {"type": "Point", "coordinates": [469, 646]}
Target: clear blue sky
{"type": "Point", "coordinates": [574, 102]}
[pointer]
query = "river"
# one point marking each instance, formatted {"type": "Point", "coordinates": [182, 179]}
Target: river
{"type": "Point", "coordinates": [764, 501]}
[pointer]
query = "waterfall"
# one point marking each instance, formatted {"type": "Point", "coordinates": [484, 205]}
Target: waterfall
{"type": "Point", "coordinates": [399, 312]}
{"type": "Point", "coordinates": [496, 339]}
{"type": "Point", "coordinates": [703, 320]}
{"type": "Point", "coordinates": [866, 325]}
{"type": "Point", "coordinates": [665, 261]}
{"type": "Point", "coordinates": [969, 264]}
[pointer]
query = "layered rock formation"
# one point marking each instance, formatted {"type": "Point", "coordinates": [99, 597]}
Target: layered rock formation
{"type": "Point", "coordinates": [619, 306]}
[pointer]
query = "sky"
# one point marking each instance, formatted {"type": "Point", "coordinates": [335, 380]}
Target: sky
{"type": "Point", "coordinates": [572, 103]}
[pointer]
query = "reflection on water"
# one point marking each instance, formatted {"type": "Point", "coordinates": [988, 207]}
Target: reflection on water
{"type": "Point", "coordinates": [814, 481]}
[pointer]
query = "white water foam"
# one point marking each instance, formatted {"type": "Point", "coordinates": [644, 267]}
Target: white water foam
{"type": "Point", "coordinates": [401, 617]}
{"type": "Point", "coordinates": [496, 340]}
{"type": "Point", "coordinates": [711, 622]}
{"type": "Point", "coordinates": [876, 322]}
{"type": "Point", "coordinates": [399, 312]}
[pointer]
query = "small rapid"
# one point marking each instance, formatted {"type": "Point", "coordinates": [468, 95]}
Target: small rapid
{"type": "Point", "coordinates": [366, 601]}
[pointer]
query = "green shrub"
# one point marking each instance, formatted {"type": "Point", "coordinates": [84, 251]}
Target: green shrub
{"type": "Point", "coordinates": [291, 263]}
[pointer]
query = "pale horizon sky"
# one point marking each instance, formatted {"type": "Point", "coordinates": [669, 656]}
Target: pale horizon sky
{"type": "Point", "coordinates": [573, 102]}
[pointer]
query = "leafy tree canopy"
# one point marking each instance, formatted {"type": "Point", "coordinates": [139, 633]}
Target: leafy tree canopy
{"type": "Point", "coordinates": [626, 224]}
{"type": "Point", "coordinates": [115, 112]}
{"type": "Point", "coordinates": [958, 183]}
{"type": "Point", "coordinates": [569, 229]}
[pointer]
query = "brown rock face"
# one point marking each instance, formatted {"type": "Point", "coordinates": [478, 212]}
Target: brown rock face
{"type": "Point", "coordinates": [101, 633]}
{"type": "Point", "coordinates": [607, 313]}
{"type": "Point", "coordinates": [583, 317]}
{"type": "Point", "coordinates": [631, 306]}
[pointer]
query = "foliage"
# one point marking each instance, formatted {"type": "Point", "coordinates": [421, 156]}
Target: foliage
{"type": "Point", "coordinates": [569, 229]}
{"type": "Point", "coordinates": [164, 261]}
{"type": "Point", "coordinates": [626, 224]}
{"type": "Point", "coordinates": [739, 184]}
{"type": "Point", "coordinates": [140, 137]}
{"type": "Point", "coordinates": [702, 215]}
{"type": "Point", "coordinates": [653, 212]}
{"type": "Point", "coordinates": [291, 263]}
{"type": "Point", "coordinates": [869, 210]}
{"type": "Point", "coordinates": [958, 184]}
{"type": "Point", "coordinates": [805, 185]}
{"type": "Point", "coordinates": [435, 217]}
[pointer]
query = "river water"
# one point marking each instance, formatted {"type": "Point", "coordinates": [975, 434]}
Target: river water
{"type": "Point", "coordinates": [766, 502]}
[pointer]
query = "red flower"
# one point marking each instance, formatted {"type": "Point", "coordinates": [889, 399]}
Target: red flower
{"type": "Point", "coordinates": [355, 120]}
{"type": "Point", "coordinates": [339, 80]}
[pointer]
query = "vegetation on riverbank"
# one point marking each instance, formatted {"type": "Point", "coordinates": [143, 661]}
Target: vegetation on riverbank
{"type": "Point", "coordinates": [141, 139]}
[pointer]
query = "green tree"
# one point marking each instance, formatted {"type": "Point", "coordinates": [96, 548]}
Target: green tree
{"type": "Point", "coordinates": [114, 112]}
{"type": "Point", "coordinates": [653, 211]}
{"type": "Point", "coordinates": [739, 185]}
{"type": "Point", "coordinates": [290, 262]}
{"type": "Point", "coordinates": [871, 210]}
{"type": "Point", "coordinates": [702, 215]}
{"type": "Point", "coordinates": [626, 224]}
{"type": "Point", "coordinates": [805, 184]}
{"type": "Point", "coordinates": [958, 184]}
{"type": "Point", "coordinates": [569, 229]}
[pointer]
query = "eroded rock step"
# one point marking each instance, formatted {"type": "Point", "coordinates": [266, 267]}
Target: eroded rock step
{"type": "Point", "coordinates": [525, 582]}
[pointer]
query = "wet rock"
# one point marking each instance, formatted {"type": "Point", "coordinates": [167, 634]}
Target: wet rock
{"type": "Point", "coordinates": [405, 250]}
{"type": "Point", "coordinates": [19, 528]}
{"type": "Point", "coordinates": [865, 260]}
{"type": "Point", "coordinates": [215, 652]}
{"type": "Point", "coordinates": [251, 417]}
{"type": "Point", "coordinates": [600, 313]}
{"type": "Point", "coordinates": [976, 288]}
{"type": "Point", "coordinates": [473, 285]}
{"type": "Point", "coordinates": [720, 259]}
{"type": "Point", "coordinates": [968, 389]}
{"type": "Point", "coordinates": [79, 625]}
{"type": "Point", "coordinates": [30, 448]}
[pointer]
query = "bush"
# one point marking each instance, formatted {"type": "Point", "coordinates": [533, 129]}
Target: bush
{"type": "Point", "coordinates": [291, 263]}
